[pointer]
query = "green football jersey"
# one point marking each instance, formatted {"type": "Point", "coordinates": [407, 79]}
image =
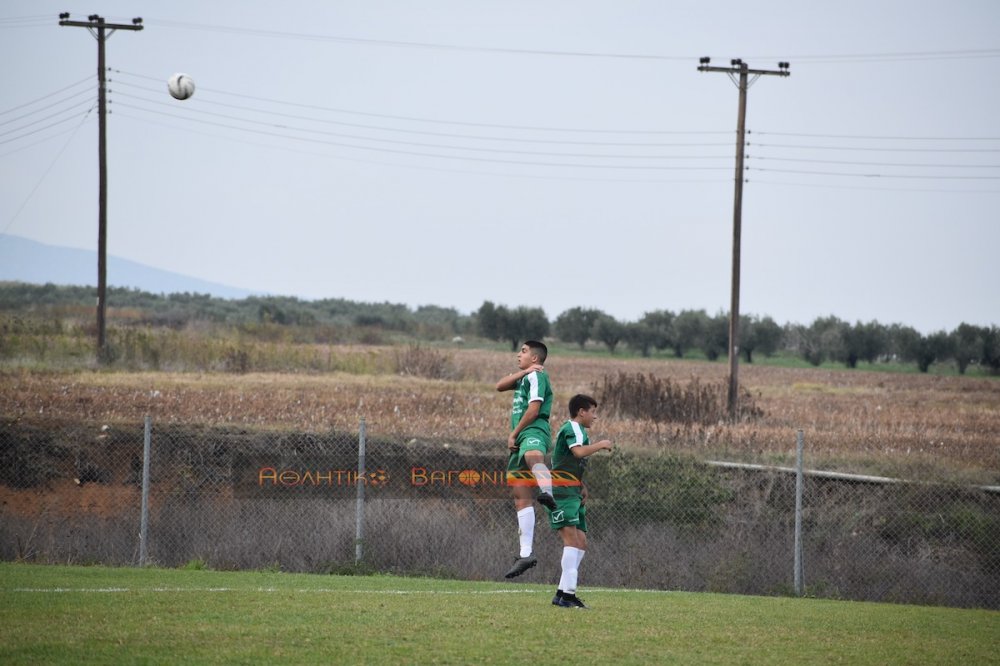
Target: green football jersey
{"type": "Point", "coordinates": [567, 469]}
{"type": "Point", "coordinates": [533, 387]}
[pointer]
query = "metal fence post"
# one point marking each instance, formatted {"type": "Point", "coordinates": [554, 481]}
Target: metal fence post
{"type": "Point", "coordinates": [359, 517]}
{"type": "Point", "coordinates": [144, 519]}
{"type": "Point", "coordinates": [798, 513]}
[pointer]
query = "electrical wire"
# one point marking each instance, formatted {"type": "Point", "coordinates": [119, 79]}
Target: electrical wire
{"type": "Point", "coordinates": [14, 19]}
{"type": "Point", "coordinates": [420, 144]}
{"type": "Point", "coordinates": [812, 59]}
{"type": "Point", "coordinates": [277, 34]}
{"type": "Point", "coordinates": [51, 94]}
{"type": "Point", "coordinates": [25, 22]}
{"type": "Point", "coordinates": [825, 186]}
{"type": "Point", "coordinates": [35, 143]}
{"type": "Point", "coordinates": [878, 137]}
{"type": "Point", "coordinates": [46, 173]}
{"type": "Point", "coordinates": [422, 168]}
{"type": "Point", "coordinates": [872, 175]}
{"type": "Point", "coordinates": [433, 155]}
{"type": "Point", "coordinates": [448, 122]}
{"type": "Point", "coordinates": [478, 137]}
{"type": "Point", "coordinates": [292, 132]}
{"type": "Point", "coordinates": [47, 107]}
{"type": "Point", "coordinates": [48, 117]}
{"type": "Point", "coordinates": [967, 54]}
{"type": "Point", "coordinates": [875, 149]}
{"type": "Point", "coordinates": [40, 129]}
{"type": "Point", "coordinates": [888, 164]}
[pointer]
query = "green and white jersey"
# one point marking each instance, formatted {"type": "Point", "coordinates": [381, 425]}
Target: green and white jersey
{"type": "Point", "coordinates": [566, 466]}
{"type": "Point", "coordinates": [533, 387]}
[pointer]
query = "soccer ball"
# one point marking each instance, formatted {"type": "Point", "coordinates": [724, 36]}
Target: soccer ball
{"type": "Point", "coordinates": [181, 86]}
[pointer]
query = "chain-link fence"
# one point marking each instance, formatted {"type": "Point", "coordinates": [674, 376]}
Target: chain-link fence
{"type": "Point", "coordinates": [348, 501]}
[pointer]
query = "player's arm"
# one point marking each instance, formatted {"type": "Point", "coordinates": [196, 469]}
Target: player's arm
{"type": "Point", "coordinates": [509, 382]}
{"type": "Point", "coordinates": [529, 416]}
{"type": "Point", "coordinates": [590, 449]}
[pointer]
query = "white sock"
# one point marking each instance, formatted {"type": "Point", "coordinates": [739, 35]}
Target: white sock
{"type": "Point", "coordinates": [543, 477]}
{"type": "Point", "coordinates": [567, 581]}
{"type": "Point", "coordinates": [526, 529]}
{"type": "Point", "coordinates": [579, 557]}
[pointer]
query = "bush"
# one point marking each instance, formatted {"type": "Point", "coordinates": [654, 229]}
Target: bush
{"type": "Point", "coordinates": [664, 401]}
{"type": "Point", "coordinates": [420, 361]}
{"type": "Point", "coordinates": [660, 488]}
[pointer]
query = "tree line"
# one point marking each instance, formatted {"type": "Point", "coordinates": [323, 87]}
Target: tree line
{"type": "Point", "coordinates": [826, 339]}
{"type": "Point", "coordinates": [677, 333]}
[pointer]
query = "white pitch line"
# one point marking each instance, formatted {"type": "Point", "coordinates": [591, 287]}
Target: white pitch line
{"type": "Point", "coordinates": [100, 590]}
{"type": "Point", "coordinates": [324, 590]}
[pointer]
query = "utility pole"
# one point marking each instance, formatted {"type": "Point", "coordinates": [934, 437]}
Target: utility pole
{"type": "Point", "coordinates": [739, 69]}
{"type": "Point", "coordinates": [101, 31]}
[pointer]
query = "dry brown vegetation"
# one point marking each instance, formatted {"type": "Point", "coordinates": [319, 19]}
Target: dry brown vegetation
{"type": "Point", "coordinates": [913, 425]}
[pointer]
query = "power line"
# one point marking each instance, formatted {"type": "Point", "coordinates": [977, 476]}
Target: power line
{"type": "Point", "coordinates": [39, 141]}
{"type": "Point", "coordinates": [872, 175]}
{"type": "Point", "coordinates": [444, 122]}
{"type": "Point", "coordinates": [48, 117]}
{"type": "Point", "coordinates": [876, 149]}
{"type": "Point", "coordinates": [817, 59]}
{"type": "Point", "coordinates": [46, 172]}
{"type": "Point", "coordinates": [420, 144]}
{"type": "Point", "coordinates": [433, 155]}
{"type": "Point", "coordinates": [478, 137]}
{"type": "Point", "coordinates": [10, 23]}
{"type": "Point", "coordinates": [421, 167]}
{"type": "Point", "coordinates": [40, 129]}
{"type": "Point", "coordinates": [51, 94]}
{"type": "Point", "coordinates": [46, 107]}
{"type": "Point", "coordinates": [35, 17]}
{"type": "Point", "coordinates": [897, 57]}
{"type": "Point", "coordinates": [255, 32]}
{"type": "Point", "coordinates": [757, 181]}
{"type": "Point", "coordinates": [879, 137]}
{"type": "Point", "coordinates": [888, 164]}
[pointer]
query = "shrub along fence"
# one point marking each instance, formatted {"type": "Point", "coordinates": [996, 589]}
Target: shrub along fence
{"type": "Point", "coordinates": [168, 495]}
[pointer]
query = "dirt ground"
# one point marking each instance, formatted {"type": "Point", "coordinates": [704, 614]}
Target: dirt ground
{"type": "Point", "coordinates": [856, 420]}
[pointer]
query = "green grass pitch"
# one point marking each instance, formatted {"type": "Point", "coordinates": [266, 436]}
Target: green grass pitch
{"type": "Point", "coordinates": [68, 614]}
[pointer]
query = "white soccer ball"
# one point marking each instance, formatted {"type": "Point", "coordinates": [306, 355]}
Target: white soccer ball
{"type": "Point", "coordinates": [181, 86]}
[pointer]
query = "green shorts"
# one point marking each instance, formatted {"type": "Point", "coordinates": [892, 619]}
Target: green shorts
{"type": "Point", "coordinates": [529, 439]}
{"type": "Point", "coordinates": [570, 512]}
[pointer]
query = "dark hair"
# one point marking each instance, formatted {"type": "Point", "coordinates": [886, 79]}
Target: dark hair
{"type": "Point", "coordinates": [541, 351]}
{"type": "Point", "coordinates": [578, 402]}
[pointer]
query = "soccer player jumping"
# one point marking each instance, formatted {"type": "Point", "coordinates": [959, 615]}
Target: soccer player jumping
{"type": "Point", "coordinates": [528, 442]}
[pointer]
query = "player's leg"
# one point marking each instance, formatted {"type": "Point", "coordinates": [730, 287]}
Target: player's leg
{"type": "Point", "coordinates": [581, 534]}
{"type": "Point", "coordinates": [525, 508]}
{"type": "Point", "coordinates": [535, 461]}
{"type": "Point", "coordinates": [569, 572]}
{"type": "Point", "coordinates": [566, 519]}
{"type": "Point", "coordinates": [581, 550]}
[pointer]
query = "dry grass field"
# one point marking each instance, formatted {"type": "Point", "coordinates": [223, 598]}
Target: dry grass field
{"type": "Point", "coordinates": [919, 426]}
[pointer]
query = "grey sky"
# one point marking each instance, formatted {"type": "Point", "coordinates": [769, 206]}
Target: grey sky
{"type": "Point", "coordinates": [340, 187]}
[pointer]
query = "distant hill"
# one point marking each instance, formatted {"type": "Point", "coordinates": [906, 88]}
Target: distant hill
{"type": "Point", "coordinates": [24, 260]}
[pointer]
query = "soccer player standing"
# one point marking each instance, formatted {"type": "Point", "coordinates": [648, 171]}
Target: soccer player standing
{"type": "Point", "coordinates": [569, 518]}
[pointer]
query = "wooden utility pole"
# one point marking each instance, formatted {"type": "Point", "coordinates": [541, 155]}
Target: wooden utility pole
{"type": "Point", "coordinates": [739, 73]}
{"type": "Point", "coordinates": [101, 31]}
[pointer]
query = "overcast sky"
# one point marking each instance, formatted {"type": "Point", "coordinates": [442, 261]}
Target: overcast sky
{"type": "Point", "coordinates": [544, 153]}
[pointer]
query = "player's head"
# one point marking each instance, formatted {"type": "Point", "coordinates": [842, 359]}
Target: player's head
{"type": "Point", "coordinates": [580, 402]}
{"type": "Point", "coordinates": [532, 351]}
